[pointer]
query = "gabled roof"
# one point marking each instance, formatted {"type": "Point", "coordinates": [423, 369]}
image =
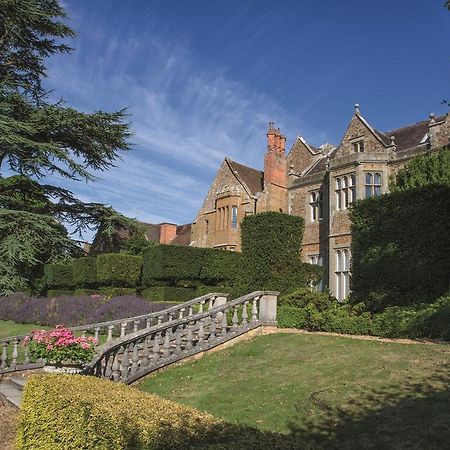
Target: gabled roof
{"type": "Point", "coordinates": [254, 179]}
{"type": "Point", "coordinates": [183, 236]}
{"type": "Point", "coordinates": [411, 135]}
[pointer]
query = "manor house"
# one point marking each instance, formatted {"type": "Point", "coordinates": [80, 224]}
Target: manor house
{"type": "Point", "coordinates": [316, 183]}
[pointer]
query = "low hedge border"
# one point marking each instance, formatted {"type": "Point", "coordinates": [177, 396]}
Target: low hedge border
{"type": "Point", "coordinates": [73, 411]}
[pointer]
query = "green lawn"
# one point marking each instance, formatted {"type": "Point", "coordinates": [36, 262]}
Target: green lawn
{"type": "Point", "coordinates": [328, 391]}
{"type": "Point", "coordinates": [10, 328]}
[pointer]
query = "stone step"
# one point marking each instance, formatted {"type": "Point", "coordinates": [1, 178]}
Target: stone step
{"type": "Point", "coordinates": [12, 391]}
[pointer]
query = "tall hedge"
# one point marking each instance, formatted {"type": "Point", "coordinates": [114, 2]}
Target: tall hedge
{"type": "Point", "coordinates": [118, 269]}
{"type": "Point", "coordinates": [171, 263]}
{"type": "Point", "coordinates": [59, 275]}
{"type": "Point", "coordinates": [271, 245]}
{"type": "Point", "coordinates": [84, 272]}
{"type": "Point", "coordinates": [401, 247]}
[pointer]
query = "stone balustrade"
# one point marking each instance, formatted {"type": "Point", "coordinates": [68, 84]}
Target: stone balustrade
{"type": "Point", "coordinates": [14, 355]}
{"type": "Point", "coordinates": [137, 354]}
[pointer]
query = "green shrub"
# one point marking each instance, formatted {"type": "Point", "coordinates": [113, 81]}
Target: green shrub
{"type": "Point", "coordinates": [119, 270]}
{"type": "Point", "coordinates": [59, 275]}
{"type": "Point", "coordinates": [84, 272]}
{"type": "Point", "coordinates": [168, 294]}
{"type": "Point", "coordinates": [111, 291]}
{"type": "Point", "coordinates": [74, 412]}
{"type": "Point", "coordinates": [59, 293]}
{"type": "Point", "coordinates": [400, 245]}
{"type": "Point", "coordinates": [303, 296]}
{"type": "Point", "coordinates": [271, 244]}
{"type": "Point", "coordinates": [291, 317]}
{"type": "Point", "coordinates": [80, 292]}
{"type": "Point", "coordinates": [188, 265]}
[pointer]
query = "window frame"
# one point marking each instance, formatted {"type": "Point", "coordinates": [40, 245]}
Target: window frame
{"type": "Point", "coordinates": [345, 190]}
{"type": "Point", "coordinates": [372, 189]}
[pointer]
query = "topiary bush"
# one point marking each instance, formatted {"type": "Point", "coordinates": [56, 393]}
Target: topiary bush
{"type": "Point", "coordinates": [84, 272]}
{"type": "Point", "coordinates": [59, 275]}
{"type": "Point", "coordinates": [110, 292]}
{"type": "Point", "coordinates": [119, 270]}
{"type": "Point", "coordinates": [168, 294]}
{"type": "Point", "coordinates": [74, 412]}
{"type": "Point", "coordinates": [400, 245]}
{"type": "Point", "coordinates": [271, 245]}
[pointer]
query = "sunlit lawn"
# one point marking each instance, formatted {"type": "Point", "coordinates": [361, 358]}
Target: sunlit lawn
{"type": "Point", "coordinates": [332, 391]}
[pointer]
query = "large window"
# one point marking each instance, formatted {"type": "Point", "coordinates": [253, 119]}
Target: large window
{"type": "Point", "coordinates": [345, 191]}
{"type": "Point", "coordinates": [318, 261]}
{"type": "Point", "coordinates": [372, 184]}
{"type": "Point", "coordinates": [342, 273]}
{"type": "Point", "coordinates": [315, 204]}
{"type": "Point", "coordinates": [234, 217]}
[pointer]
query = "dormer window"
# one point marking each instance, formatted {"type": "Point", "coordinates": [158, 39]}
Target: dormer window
{"type": "Point", "coordinates": [358, 146]}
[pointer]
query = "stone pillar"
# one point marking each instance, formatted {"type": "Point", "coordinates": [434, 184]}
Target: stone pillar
{"type": "Point", "coordinates": [268, 308]}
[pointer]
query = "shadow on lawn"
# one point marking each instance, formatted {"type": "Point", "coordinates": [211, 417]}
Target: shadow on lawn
{"type": "Point", "coordinates": [411, 416]}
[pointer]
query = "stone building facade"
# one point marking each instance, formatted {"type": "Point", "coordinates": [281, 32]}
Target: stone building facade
{"type": "Point", "coordinates": [316, 183]}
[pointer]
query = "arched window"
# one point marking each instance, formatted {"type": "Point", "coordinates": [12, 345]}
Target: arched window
{"type": "Point", "coordinates": [372, 184]}
{"type": "Point", "coordinates": [234, 216]}
{"type": "Point", "coordinates": [342, 274]}
{"type": "Point", "coordinates": [345, 191]}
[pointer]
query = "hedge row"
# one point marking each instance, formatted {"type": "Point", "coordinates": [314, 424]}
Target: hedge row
{"type": "Point", "coordinates": [75, 412]}
{"type": "Point", "coordinates": [400, 247]}
{"type": "Point", "coordinates": [173, 263]}
{"type": "Point", "coordinates": [319, 312]}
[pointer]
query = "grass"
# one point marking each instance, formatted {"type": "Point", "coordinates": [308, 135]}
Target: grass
{"type": "Point", "coordinates": [330, 391]}
{"type": "Point", "coordinates": [10, 328]}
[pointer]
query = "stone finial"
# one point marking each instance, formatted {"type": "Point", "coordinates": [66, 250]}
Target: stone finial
{"type": "Point", "coordinates": [432, 118]}
{"type": "Point", "coordinates": [357, 108]}
{"type": "Point", "coordinates": [271, 125]}
{"type": "Point", "coordinates": [392, 140]}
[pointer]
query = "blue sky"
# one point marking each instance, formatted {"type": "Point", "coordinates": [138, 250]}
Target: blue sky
{"type": "Point", "coordinates": [202, 78]}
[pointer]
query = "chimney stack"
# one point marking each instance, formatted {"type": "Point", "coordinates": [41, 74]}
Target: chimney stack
{"type": "Point", "coordinates": [275, 159]}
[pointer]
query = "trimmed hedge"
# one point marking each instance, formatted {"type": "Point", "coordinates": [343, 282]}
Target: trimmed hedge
{"type": "Point", "coordinates": [119, 270]}
{"type": "Point", "coordinates": [271, 245]}
{"type": "Point", "coordinates": [168, 293]}
{"type": "Point", "coordinates": [400, 247]}
{"type": "Point", "coordinates": [73, 412]}
{"type": "Point", "coordinates": [110, 292]}
{"type": "Point", "coordinates": [172, 264]}
{"type": "Point", "coordinates": [84, 272]}
{"type": "Point", "coordinates": [59, 275]}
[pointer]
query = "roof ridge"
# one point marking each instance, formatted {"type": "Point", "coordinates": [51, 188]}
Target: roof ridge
{"type": "Point", "coordinates": [421, 122]}
{"type": "Point", "coordinates": [243, 165]}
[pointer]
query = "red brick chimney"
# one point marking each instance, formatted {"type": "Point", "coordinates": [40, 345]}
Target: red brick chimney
{"type": "Point", "coordinates": [167, 232]}
{"type": "Point", "coordinates": [275, 158]}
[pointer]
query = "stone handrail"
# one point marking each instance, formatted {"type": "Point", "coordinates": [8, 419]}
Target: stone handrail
{"type": "Point", "coordinates": [14, 357]}
{"type": "Point", "coordinates": [130, 357]}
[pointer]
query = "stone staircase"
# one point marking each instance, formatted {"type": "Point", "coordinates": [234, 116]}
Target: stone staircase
{"type": "Point", "coordinates": [137, 346]}
{"type": "Point", "coordinates": [11, 388]}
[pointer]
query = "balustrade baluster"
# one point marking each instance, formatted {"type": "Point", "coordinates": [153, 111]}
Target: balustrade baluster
{"type": "Point", "coordinates": [254, 310]}
{"type": "Point", "coordinates": [189, 337]}
{"type": "Point", "coordinates": [178, 340]}
{"type": "Point", "coordinates": [110, 332]}
{"type": "Point", "coordinates": [224, 324]}
{"type": "Point", "coordinates": [211, 301]}
{"type": "Point", "coordinates": [96, 333]}
{"type": "Point", "coordinates": [134, 359]}
{"type": "Point", "coordinates": [166, 344]}
{"type": "Point", "coordinates": [15, 353]}
{"type": "Point", "coordinates": [244, 314]}
{"type": "Point", "coordinates": [201, 332]}
{"type": "Point", "coordinates": [200, 308]}
{"type": "Point", "coordinates": [235, 319]}
{"type": "Point", "coordinates": [145, 354]}
{"type": "Point", "coordinates": [148, 322]}
{"type": "Point", "coordinates": [155, 348]}
{"type": "Point", "coordinates": [170, 317]}
{"type": "Point", "coordinates": [181, 313]}
{"type": "Point", "coordinates": [212, 329]}
{"type": "Point", "coordinates": [125, 364]}
{"type": "Point", "coordinates": [160, 318]}
{"type": "Point", "coordinates": [4, 355]}
{"type": "Point", "coordinates": [123, 325]}
{"type": "Point", "coordinates": [115, 367]}
{"type": "Point", "coordinates": [136, 325]}
{"type": "Point", "coordinates": [191, 311]}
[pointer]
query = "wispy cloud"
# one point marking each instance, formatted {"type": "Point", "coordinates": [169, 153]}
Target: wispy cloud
{"type": "Point", "coordinates": [186, 118]}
